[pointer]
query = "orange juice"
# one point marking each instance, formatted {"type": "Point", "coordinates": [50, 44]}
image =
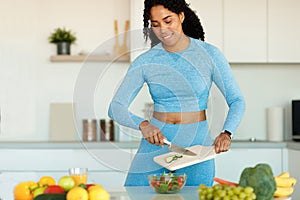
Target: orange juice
{"type": "Point", "coordinates": [79, 175]}
{"type": "Point", "coordinates": [79, 178]}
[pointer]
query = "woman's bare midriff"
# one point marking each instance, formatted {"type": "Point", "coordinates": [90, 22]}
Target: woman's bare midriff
{"type": "Point", "coordinates": [180, 117]}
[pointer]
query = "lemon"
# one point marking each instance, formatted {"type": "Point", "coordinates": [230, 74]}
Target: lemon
{"type": "Point", "coordinates": [97, 192]}
{"type": "Point", "coordinates": [77, 193]}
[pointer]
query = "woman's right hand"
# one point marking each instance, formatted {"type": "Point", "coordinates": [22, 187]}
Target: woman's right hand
{"type": "Point", "coordinates": [151, 133]}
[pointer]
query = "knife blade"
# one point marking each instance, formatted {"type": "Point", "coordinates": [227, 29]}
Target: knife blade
{"type": "Point", "coordinates": [178, 149]}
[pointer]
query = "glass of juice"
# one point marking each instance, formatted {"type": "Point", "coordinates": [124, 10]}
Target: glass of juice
{"type": "Point", "coordinates": [79, 175]}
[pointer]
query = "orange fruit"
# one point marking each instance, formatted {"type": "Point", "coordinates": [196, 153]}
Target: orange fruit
{"type": "Point", "coordinates": [95, 186]}
{"type": "Point", "coordinates": [47, 181]}
{"type": "Point", "coordinates": [22, 191]}
{"type": "Point", "coordinates": [97, 192]}
{"type": "Point", "coordinates": [77, 193]}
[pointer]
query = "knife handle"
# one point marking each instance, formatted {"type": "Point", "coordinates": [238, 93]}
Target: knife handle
{"type": "Point", "coordinates": [166, 141]}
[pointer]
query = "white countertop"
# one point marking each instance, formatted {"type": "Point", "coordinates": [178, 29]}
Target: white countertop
{"type": "Point", "coordinates": [133, 145]}
{"type": "Point", "coordinates": [146, 193]}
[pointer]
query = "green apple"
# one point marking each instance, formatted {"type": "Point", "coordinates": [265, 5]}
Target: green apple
{"type": "Point", "coordinates": [66, 182]}
{"type": "Point", "coordinates": [38, 191]}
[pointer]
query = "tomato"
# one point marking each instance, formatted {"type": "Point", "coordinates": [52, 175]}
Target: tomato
{"type": "Point", "coordinates": [155, 183]}
{"type": "Point", "coordinates": [170, 186]}
{"type": "Point", "coordinates": [180, 184]}
{"type": "Point", "coordinates": [180, 179]}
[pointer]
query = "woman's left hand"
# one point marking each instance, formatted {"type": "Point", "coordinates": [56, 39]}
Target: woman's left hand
{"type": "Point", "coordinates": [222, 143]}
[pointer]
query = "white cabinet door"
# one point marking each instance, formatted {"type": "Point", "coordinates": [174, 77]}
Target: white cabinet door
{"type": "Point", "coordinates": [107, 167]}
{"type": "Point", "coordinates": [211, 17]}
{"type": "Point", "coordinates": [245, 30]}
{"type": "Point", "coordinates": [230, 165]}
{"type": "Point", "coordinates": [294, 163]}
{"type": "Point", "coordinates": [63, 159]}
{"type": "Point", "coordinates": [284, 31]}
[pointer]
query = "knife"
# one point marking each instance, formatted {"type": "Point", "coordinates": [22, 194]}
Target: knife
{"type": "Point", "coordinates": [178, 149]}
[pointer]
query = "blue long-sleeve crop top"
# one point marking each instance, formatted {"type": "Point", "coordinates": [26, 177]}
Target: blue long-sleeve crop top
{"type": "Point", "coordinates": [178, 82]}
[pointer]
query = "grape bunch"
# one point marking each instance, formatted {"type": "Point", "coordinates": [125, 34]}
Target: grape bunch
{"type": "Point", "coordinates": [225, 192]}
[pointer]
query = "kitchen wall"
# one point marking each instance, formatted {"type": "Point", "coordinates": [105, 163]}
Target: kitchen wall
{"type": "Point", "coordinates": [29, 82]}
{"type": "Point", "coordinates": [264, 86]}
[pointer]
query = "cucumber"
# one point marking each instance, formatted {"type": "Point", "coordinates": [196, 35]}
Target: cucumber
{"type": "Point", "coordinates": [171, 158]}
{"type": "Point", "coordinates": [50, 197]}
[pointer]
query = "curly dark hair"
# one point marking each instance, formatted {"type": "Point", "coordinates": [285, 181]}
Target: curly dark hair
{"type": "Point", "coordinates": [191, 25]}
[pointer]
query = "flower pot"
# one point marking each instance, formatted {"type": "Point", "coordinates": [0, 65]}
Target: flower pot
{"type": "Point", "coordinates": [63, 48]}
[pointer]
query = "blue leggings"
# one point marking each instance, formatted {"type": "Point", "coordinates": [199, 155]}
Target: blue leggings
{"type": "Point", "coordinates": [184, 135]}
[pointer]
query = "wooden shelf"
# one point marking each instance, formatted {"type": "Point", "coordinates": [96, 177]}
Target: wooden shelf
{"type": "Point", "coordinates": [89, 58]}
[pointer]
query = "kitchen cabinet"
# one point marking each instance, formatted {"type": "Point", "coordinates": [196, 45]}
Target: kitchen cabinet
{"type": "Point", "coordinates": [58, 159]}
{"type": "Point", "coordinates": [105, 166]}
{"type": "Point", "coordinates": [211, 17]}
{"type": "Point", "coordinates": [245, 31]}
{"type": "Point", "coordinates": [237, 28]}
{"type": "Point", "coordinates": [230, 165]}
{"type": "Point", "coordinates": [294, 163]}
{"type": "Point", "coordinates": [257, 31]}
{"type": "Point", "coordinates": [284, 31]}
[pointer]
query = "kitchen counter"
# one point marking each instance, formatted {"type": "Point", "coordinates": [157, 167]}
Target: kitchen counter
{"type": "Point", "coordinates": [138, 193]}
{"type": "Point", "coordinates": [146, 193]}
{"type": "Point", "coordinates": [108, 163]}
{"type": "Point", "coordinates": [68, 145]}
{"type": "Point", "coordinates": [293, 145]}
{"type": "Point", "coordinates": [134, 145]}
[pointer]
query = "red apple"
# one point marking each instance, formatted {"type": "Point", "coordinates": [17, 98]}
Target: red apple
{"type": "Point", "coordinates": [89, 185]}
{"type": "Point", "coordinates": [54, 189]}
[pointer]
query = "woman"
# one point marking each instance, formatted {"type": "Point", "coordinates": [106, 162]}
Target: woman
{"type": "Point", "coordinates": [179, 70]}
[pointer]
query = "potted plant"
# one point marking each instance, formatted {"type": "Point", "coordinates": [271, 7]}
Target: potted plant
{"type": "Point", "coordinates": [63, 39]}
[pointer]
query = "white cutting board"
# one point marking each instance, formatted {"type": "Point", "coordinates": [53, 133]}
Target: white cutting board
{"type": "Point", "coordinates": [203, 153]}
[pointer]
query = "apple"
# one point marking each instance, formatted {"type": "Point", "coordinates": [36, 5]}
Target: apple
{"type": "Point", "coordinates": [54, 189]}
{"type": "Point", "coordinates": [86, 186]}
{"type": "Point", "coordinates": [89, 185]}
{"type": "Point", "coordinates": [66, 182]}
{"type": "Point", "coordinates": [38, 191]}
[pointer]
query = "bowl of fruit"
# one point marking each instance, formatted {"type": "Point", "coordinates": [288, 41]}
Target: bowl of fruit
{"type": "Point", "coordinates": [167, 183]}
